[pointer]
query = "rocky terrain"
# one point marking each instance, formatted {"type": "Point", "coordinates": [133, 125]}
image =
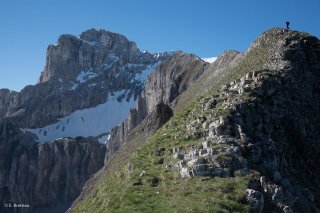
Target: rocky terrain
{"type": "Point", "coordinates": [44, 175]}
{"type": "Point", "coordinates": [249, 141]}
{"type": "Point", "coordinates": [238, 135]}
{"type": "Point", "coordinates": [167, 81]}
{"type": "Point", "coordinates": [88, 86]}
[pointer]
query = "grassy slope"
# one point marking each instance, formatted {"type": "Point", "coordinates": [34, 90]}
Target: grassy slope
{"type": "Point", "coordinates": [124, 191]}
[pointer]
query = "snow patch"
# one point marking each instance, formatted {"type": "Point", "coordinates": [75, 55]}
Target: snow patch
{"type": "Point", "coordinates": [61, 86]}
{"type": "Point", "coordinates": [74, 85]}
{"type": "Point", "coordinates": [107, 66]}
{"type": "Point", "coordinates": [92, 43]}
{"type": "Point", "coordinates": [85, 76]}
{"type": "Point", "coordinates": [134, 65]}
{"type": "Point", "coordinates": [104, 139]}
{"type": "Point", "coordinates": [144, 74]}
{"type": "Point", "coordinates": [157, 55]}
{"type": "Point", "coordinates": [87, 122]}
{"type": "Point", "coordinates": [113, 57]}
{"type": "Point", "coordinates": [210, 59]}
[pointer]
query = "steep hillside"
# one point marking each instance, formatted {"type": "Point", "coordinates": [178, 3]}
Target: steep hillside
{"type": "Point", "coordinates": [206, 81]}
{"type": "Point", "coordinates": [251, 143]}
{"type": "Point", "coordinates": [167, 81]}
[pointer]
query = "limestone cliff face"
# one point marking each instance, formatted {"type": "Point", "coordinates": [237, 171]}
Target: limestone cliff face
{"type": "Point", "coordinates": [205, 82]}
{"type": "Point", "coordinates": [172, 78]}
{"type": "Point", "coordinates": [44, 175]}
{"type": "Point", "coordinates": [168, 80]}
{"type": "Point", "coordinates": [87, 52]}
{"type": "Point", "coordinates": [82, 72]}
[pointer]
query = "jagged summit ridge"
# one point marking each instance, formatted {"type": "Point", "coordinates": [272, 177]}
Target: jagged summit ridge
{"type": "Point", "coordinates": [94, 50]}
{"type": "Point", "coordinates": [83, 72]}
{"type": "Point", "coordinates": [104, 37]}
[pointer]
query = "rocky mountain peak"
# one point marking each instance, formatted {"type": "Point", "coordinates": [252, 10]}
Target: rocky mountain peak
{"type": "Point", "coordinates": [106, 38]}
{"type": "Point", "coordinates": [94, 50]}
{"type": "Point", "coordinates": [83, 72]}
{"type": "Point", "coordinates": [277, 40]}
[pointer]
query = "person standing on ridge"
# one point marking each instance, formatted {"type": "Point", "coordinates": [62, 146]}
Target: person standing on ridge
{"type": "Point", "coordinates": [287, 23]}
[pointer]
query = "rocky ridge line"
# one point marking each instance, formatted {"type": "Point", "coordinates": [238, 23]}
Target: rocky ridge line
{"type": "Point", "coordinates": [258, 124]}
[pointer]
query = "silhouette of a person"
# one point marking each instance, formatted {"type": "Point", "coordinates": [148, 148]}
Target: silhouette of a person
{"type": "Point", "coordinates": [287, 23]}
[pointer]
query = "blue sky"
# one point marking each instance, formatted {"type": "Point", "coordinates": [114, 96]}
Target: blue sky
{"type": "Point", "coordinates": [203, 27]}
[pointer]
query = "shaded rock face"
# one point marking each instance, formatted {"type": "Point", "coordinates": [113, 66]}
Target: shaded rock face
{"type": "Point", "coordinates": [81, 72]}
{"type": "Point", "coordinates": [154, 120]}
{"type": "Point", "coordinates": [169, 79]}
{"type": "Point", "coordinates": [172, 78]}
{"type": "Point", "coordinates": [7, 99]}
{"type": "Point", "coordinates": [160, 115]}
{"type": "Point", "coordinates": [226, 59]}
{"type": "Point", "coordinates": [255, 199]}
{"type": "Point", "coordinates": [46, 174]}
{"type": "Point", "coordinates": [267, 124]}
{"type": "Point", "coordinates": [205, 82]}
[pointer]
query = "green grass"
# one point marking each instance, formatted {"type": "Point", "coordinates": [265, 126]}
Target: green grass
{"type": "Point", "coordinates": [171, 195]}
{"type": "Point", "coordinates": [125, 191]}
